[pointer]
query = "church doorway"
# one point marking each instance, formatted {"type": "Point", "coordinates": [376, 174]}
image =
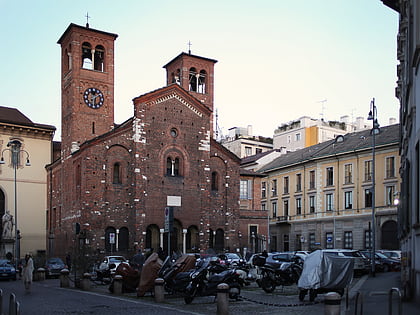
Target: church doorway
{"type": "Point", "coordinates": [219, 242]}
{"type": "Point", "coordinates": [389, 238]}
{"type": "Point", "coordinates": [152, 237]}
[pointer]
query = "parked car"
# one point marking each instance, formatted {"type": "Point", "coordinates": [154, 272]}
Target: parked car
{"type": "Point", "coordinates": [231, 259]}
{"type": "Point", "coordinates": [112, 263]}
{"type": "Point", "coordinates": [275, 259]}
{"type": "Point", "coordinates": [361, 264]}
{"type": "Point", "coordinates": [53, 267]}
{"type": "Point", "coordinates": [394, 254]}
{"type": "Point", "coordinates": [7, 270]}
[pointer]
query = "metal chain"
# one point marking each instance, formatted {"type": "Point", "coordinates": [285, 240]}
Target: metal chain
{"type": "Point", "coordinates": [277, 304]}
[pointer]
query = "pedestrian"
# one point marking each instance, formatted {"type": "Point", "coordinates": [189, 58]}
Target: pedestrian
{"type": "Point", "coordinates": [27, 272]}
{"type": "Point", "coordinates": [137, 261]}
{"type": "Point", "coordinates": [68, 261]}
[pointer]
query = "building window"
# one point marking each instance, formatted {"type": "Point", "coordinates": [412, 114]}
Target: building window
{"type": "Point", "coordinates": [329, 202]}
{"type": "Point", "coordinates": [286, 185]}
{"type": "Point", "coordinates": [390, 167]}
{"type": "Point", "coordinates": [87, 56]}
{"type": "Point", "coordinates": [263, 206]}
{"type": "Point", "coordinates": [312, 180]}
{"type": "Point", "coordinates": [330, 176]}
{"type": "Point", "coordinates": [348, 173]}
{"type": "Point", "coordinates": [274, 208]}
{"type": "Point", "coordinates": [215, 181]}
{"type": "Point", "coordinates": [368, 171]}
{"type": "Point", "coordinates": [390, 190]}
{"type": "Point", "coordinates": [298, 206]}
{"type": "Point", "coordinates": [368, 198]}
{"type": "Point", "coordinates": [274, 187]}
{"type": "Point", "coordinates": [172, 166]}
{"type": "Point", "coordinates": [329, 241]}
{"type": "Point", "coordinates": [298, 182]}
{"type": "Point", "coordinates": [286, 208]}
{"type": "Point", "coordinates": [248, 151]}
{"type": "Point", "coordinates": [99, 58]}
{"type": "Point", "coordinates": [368, 239]}
{"type": "Point", "coordinates": [193, 80]}
{"type": "Point", "coordinates": [263, 190]}
{"type": "Point", "coordinates": [311, 241]}
{"type": "Point", "coordinates": [116, 174]}
{"type": "Point", "coordinates": [258, 150]}
{"type": "Point", "coordinates": [348, 240]}
{"type": "Point", "coordinates": [245, 189]}
{"type": "Point", "coordinates": [298, 242]}
{"type": "Point", "coordinates": [202, 82]}
{"type": "Point", "coordinates": [297, 137]}
{"type": "Point", "coordinates": [348, 200]}
{"type": "Point", "coordinates": [312, 204]}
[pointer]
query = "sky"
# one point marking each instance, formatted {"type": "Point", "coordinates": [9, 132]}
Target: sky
{"type": "Point", "coordinates": [278, 60]}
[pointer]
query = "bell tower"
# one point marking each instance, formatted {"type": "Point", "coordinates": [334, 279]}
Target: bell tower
{"type": "Point", "coordinates": [87, 84]}
{"type": "Point", "coordinates": [195, 74]}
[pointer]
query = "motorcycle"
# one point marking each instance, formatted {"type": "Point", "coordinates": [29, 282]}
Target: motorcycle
{"type": "Point", "coordinates": [177, 274]}
{"type": "Point", "coordinates": [204, 282]}
{"type": "Point", "coordinates": [286, 274]}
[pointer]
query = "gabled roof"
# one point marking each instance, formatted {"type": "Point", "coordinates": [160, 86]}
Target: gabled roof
{"type": "Point", "coordinates": [13, 116]}
{"type": "Point", "coordinates": [352, 142]}
{"type": "Point", "coordinates": [256, 157]}
{"type": "Point", "coordinates": [185, 54]}
{"type": "Point", "coordinates": [150, 96]}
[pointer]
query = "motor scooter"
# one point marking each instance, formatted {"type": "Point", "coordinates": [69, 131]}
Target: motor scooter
{"type": "Point", "coordinates": [202, 284]}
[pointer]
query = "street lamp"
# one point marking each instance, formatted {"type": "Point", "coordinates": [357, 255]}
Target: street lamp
{"type": "Point", "coordinates": [15, 151]}
{"type": "Point", "coordinates": [375, 129]}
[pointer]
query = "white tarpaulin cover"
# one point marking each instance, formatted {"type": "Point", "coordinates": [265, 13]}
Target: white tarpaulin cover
{"type": "Point", "coordinates": [327, 271]}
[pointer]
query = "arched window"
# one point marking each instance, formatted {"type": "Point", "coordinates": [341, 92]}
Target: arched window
{"type": "Point", "coordinates": [123, 239]}
{"type": "Point", "coordinates": [202, 82]}
{"type": "Point", "coordinates": [87, 56]}
{"type": "Point", "coordinates": [172, 166]}
{"type": "Point", "coordinates": [219, 242]}
{"type": "Point", "coordinates": [99, 58]}
{"type": "Point", "coordinates": [214, 181]}
{"type": "Point", "coordinates": [116, 174]}
{"type": "Point", "coordinates": [193, 80]}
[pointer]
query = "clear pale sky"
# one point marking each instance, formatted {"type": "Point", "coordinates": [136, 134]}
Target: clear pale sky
{"type": "Point", "coordinates": [277, 59]}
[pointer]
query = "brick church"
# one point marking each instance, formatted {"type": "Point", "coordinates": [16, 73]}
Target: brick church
{"type": "Point", "coordinates": [159, 179]}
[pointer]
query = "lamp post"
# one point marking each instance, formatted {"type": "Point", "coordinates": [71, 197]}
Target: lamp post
{"type": "Point", "coordinates": [373, 115]}
{"type": "Point", "coordinates": [15, 151]}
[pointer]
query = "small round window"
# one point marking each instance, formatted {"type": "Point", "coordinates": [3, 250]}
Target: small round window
{"type": "Point", "coordinates": [174, 132]}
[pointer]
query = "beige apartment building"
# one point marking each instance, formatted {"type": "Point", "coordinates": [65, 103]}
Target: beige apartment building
{"type": "Point", "coordinates": [321, 196]}
{"type": "Point", "coordinates": [30, 179]}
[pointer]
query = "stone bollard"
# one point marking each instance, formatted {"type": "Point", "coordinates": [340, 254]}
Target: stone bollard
{"type": "Point", "coordinates": [159, 290]}
{"type": "Point", "coordinates": [40, 274]}
{"type": "Point", "coordinates": [332, 301]}
{"type": "Point", "coordinates": [118, 284]}
{"type": "Point", "coordinates": [222, 299]}
{"type": "Point", "coordinates": [86, 282]}
{"type": "Point", "coordinates": [64, 278]}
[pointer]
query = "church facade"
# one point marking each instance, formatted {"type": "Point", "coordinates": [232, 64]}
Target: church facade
{"type": "Point", "coordinates": [159, 179]}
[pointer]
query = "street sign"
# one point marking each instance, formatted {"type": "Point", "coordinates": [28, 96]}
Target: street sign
{"type": "Point", "coordinates": [169, 219]}
{"type": "Point", "coordinates": [111, 238]}
{"type": "Point", "coordinates": [329, 239]}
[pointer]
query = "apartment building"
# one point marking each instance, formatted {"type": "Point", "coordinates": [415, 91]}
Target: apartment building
{"type": "Point", "coordinates": [321, 196]}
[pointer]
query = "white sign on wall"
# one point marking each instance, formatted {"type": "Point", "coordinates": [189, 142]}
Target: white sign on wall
{"type": "Point", "coordinates": [173, 201]}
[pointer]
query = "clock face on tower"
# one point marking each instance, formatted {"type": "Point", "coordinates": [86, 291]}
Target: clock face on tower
{"type": "Point", "coordinates": [93, 98]}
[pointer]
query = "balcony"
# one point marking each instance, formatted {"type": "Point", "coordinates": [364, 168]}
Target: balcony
{"type": "Point", "coordinates": [282, 218]}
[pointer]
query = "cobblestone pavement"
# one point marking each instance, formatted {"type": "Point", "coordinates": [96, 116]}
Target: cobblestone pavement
{"type": "Point", "coordinates": [284, 300]}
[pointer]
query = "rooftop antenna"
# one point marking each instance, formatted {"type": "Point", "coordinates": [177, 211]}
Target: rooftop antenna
{"type": "Point", "coordinates": [322, 108]}
{"type": "Point", "coordinates": [87, 19]}
{"type": "Point", "coordinates": [189, 47]}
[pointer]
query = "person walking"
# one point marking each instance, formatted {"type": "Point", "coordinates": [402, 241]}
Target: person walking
{"type": "Point", "coordinates": [27, 272]}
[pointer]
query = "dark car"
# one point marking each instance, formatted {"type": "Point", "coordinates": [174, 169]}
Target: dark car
{"type": "Point", "coordinates": [53, 267]}
{"type": "Point", "coordinates": [231, 259]}
{"type": "Point", "coordinates": [7, 270]}
{"type": "Point", "coordinates": [276, 259]}
{"type": "Point", "coordinates": [383, 263]}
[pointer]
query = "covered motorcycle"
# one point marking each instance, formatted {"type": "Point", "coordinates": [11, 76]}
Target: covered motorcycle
{"type": "Point", "coordinates": [324, 272]}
